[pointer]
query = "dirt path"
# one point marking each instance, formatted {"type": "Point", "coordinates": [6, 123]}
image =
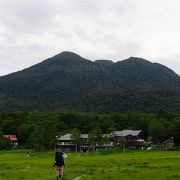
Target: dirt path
{"type": "Point", "coordinates": [77, 178]}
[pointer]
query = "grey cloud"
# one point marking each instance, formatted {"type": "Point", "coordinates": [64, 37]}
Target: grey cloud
{"type": "Point", "coordinates": [33, 30]}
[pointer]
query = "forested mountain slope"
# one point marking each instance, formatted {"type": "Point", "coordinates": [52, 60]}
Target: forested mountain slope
{"type": "Point", "coordinates": [68, 81]}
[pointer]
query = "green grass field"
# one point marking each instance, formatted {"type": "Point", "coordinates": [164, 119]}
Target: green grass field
{"type": "Point", "coordinates": [160, 165]}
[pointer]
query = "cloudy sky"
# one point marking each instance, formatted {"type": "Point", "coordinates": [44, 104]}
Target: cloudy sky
{"type": "Point", "coordinates": [33, 30]}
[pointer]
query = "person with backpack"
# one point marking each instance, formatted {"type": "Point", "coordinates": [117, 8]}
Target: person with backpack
{"type": "Point", "coordinates": [59, 163]}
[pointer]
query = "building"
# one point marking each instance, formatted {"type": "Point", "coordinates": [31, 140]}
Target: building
{"type": "Point", "coordinates": [169, 143]}
{"type": "Point", "coordinates": [12, 138]}
{"type": "Point", "coordinates": [132, 139]}
{"type": "Point", "coordinates": [66, 143]}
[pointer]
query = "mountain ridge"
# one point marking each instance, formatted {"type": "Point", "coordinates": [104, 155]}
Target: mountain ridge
{"type": "Point", "coordinates": [70, 81]}
{"type": "Point", "coordinates": [69, 53]}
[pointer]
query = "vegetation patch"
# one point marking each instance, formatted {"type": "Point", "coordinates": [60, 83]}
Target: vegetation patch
{"type": "Point", "coordinates": [119, 165]}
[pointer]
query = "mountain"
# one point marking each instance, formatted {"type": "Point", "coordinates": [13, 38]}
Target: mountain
{"type": "Point", "coordinates": [69, 81]}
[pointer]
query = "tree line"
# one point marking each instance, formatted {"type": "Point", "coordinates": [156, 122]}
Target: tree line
{"type": "Point", "coordinates": [38, 130]}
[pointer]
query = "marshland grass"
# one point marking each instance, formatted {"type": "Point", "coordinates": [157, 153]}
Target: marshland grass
{"type": "Point", "coordinates": [153, 165]}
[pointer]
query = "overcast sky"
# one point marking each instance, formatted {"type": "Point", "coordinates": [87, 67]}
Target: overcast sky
{"type": "Point", "coordinates": [33, 30]}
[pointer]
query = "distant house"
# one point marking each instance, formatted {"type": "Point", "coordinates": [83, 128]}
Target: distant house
{"type": "Point", "coordinates": [66, 143]}
{"type": "Point", "coordinates": [128, 138]}
{"type": "Point", "coordinates": [12, 138]}
{"type": "Point", "coordinates": [169, 143]}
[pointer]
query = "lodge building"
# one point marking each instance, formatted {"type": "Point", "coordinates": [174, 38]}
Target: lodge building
{"type": "Point", "coordinates": [131, 139]}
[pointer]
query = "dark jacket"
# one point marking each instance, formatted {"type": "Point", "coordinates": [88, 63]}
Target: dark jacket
{"type": "Point", "coordinates": [59, 159]}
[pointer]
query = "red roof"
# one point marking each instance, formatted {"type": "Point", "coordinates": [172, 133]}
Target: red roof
{"type": "Point", "coordinates": [12, 137]}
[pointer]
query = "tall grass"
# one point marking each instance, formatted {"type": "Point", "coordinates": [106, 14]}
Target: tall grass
{"type": "Point", "coordinates": [160, 165]}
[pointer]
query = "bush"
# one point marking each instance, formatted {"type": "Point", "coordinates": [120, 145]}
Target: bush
{"type": "Point", "coordinates": [4, 143]}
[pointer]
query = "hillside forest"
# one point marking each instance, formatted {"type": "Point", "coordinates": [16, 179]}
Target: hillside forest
{"type": "Point", "coordinates": [37, 130]}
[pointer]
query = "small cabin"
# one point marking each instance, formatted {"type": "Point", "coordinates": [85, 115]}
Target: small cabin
{"type": "Point", "coordinates": [12, 138]}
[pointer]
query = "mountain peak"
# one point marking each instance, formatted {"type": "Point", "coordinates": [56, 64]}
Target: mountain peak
{"type": "Point", "coordinates": [132, 58]}
{"type": "Point", "coordinates": [68, 54]}
{"type": "Point", "coordinates": [63, 58]}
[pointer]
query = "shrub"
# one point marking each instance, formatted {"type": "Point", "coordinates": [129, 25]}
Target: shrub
{"type": "Point", "coordinates": [4, 143]}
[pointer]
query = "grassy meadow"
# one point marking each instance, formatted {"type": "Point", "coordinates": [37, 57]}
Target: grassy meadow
{"type": "Point", "coordinates": [160, 165]}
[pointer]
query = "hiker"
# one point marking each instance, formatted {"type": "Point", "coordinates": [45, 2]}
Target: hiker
{"type": "Point", "coordinates": [59, 163]}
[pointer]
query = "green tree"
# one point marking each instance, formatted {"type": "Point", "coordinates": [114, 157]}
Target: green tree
{"type": "Point", "coordinates": [43, 137]}
{"type": "Point", "coordinates": [95, 137]}
{"type": "Point", "coordinates": [157, 131]}
{"type": "Point", "coordinates": [24, 132]}
{"type": "Point", "coordinates": [35, 140]}
{"type": "Point", "coordinates": [1, 131]}
{"type": "Point", "coordinates": [176, 122]}
{"type": "Point", "coordinates": [75, 136]}
{"type": "Point", "coordinates": [122, 143]}
{"type": "Point", "coordinates": [4, 143]}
